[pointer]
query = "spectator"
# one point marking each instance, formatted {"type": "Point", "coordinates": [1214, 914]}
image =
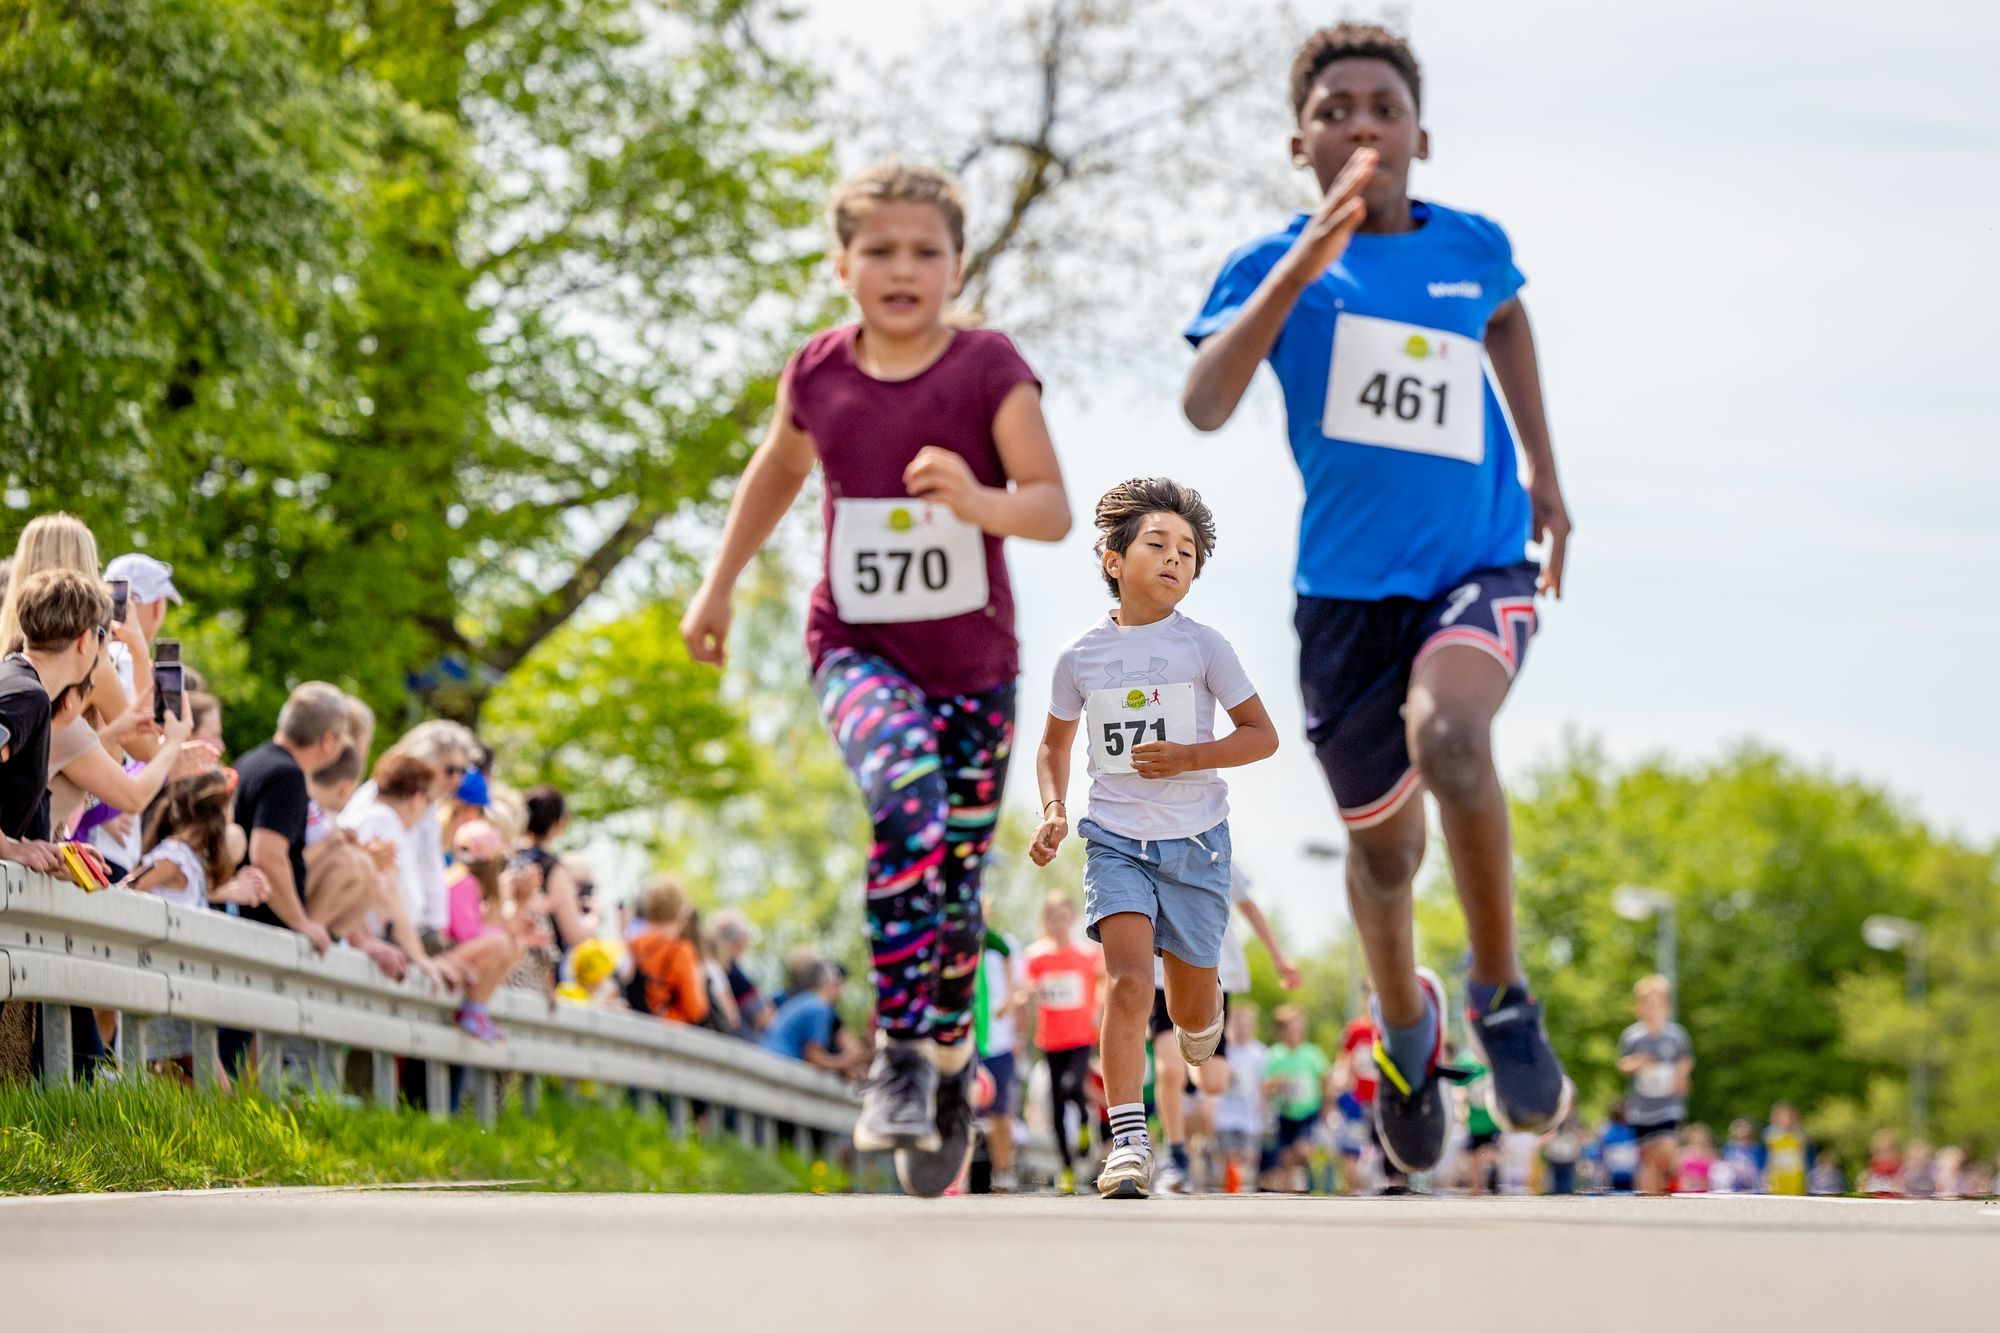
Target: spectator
{"type": "Point", "coordinates": [272, 804]}
{"type": "Point", "coordinates": [1919, 1175]}
{"type": "Point", "coordinates": [1737, 1172]}
{"type": "Point", "coordinates": [804, 1026]}
{"type": "Point", "coordinates": [1241, 1112]}
{"type": "Point", "coordinates": [548, 820]}
{"type": "Point", "coordinates": [1827, 1178]}
{"type": "Point", "coordinates": [591, 965]}
{"type": "Point", "coordinates": [361, 728]}
{"type": "Point", "coordinates": [190, 845]}
{"type": "Point", "coordinates": [1950, 1172]}
{"type": "Point", "coordinates": [667, 980]}
{"type": "Point", "coordinates": [486, 941]}
{"type": "Point", "coordinates": [150, 587]}
{"type": "Point", "coordinates": [732, 937]}
{"type": "Point", "coordinates": [1618, 1152]}
{"type": "Point", "coordinates": [1786, 1151]}
{"type": "Point", "coordinates": [205, 711]}
{"type": "Point", "coordinates": [1885, 1165]}
{"type": "Point", "coordinates": [1295, 1079]}
{"type": "Point", "coordinates": [61, 615]}
{"type": "Point", "coordinates": [420, 862]}
{"type": "Point", "coordinates": [586, 883]}
{"type": "Point", "coordinates": [1697, 1165]}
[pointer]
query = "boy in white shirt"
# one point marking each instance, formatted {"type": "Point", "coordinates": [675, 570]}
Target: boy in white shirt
{"type": "Point", "coordinates": [1146, 681]}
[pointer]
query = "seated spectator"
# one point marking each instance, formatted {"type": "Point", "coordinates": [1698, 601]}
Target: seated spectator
{"type": "Point", "coordinates": [485, 938]}
{"type": "Point", "coordinates": [273, 806]}
{"type": "Point", "coordinates": [1826, 1176]}
{"type": "Point", "coordinates": [420, 860]}
{"type": "Point", "coordinates": [342, 873]}
{"type": "Point", "coordinates": [732, 938]}
{"type": "Point", "coordinates": [150, 588]}
{"type": "Point", "coordinates": [667, 980]}
{"type": "Point", "coordinates": [805, 1025]}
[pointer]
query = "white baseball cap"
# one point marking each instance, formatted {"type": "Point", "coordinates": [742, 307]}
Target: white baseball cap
{"type": "Point", "coordinates": [150, 579]}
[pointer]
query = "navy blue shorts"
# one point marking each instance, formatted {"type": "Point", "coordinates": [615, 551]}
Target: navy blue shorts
{"type": "Point", "coordinates": [1291, 1131]}
{"type": "Point", "coordinates": [1001, 1068]}
{"type": "Point", "coordinates": [1355, 663]}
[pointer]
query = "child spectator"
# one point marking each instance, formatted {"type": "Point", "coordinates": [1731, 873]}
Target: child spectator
{"type": "Point", "coordinates": [731, 936]}
{"type": "Point", "coordinates": [1786, 1151]}
{"type": "Point", "coordinates": [1885, 1166]}
{"type": "Point", "coordinates": [1826, 1177]}
{"type": "Point", "coordinates": [1295, 1073]}
{"type": "Point", "coordinates": [1697, 1173]}
{"type": "Point", "coordinates": [590, 965]}
{"type": "Point", "coordinates": [1738, 1172]}
{"type": "Point", "coordinates": [191, 846]}
{"type": "Point", "coordinates": [1618, 1152]}
{"type": "Point", "coordinates": [803, 1028]}
{"type": "Point", "coordinates": [667, 980]}
{"type": "Point", "coordinates": [1919, 1175]}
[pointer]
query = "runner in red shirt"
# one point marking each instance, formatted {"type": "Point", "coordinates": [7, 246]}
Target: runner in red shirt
{"type": "Point", "coordinates": [1063, 976]}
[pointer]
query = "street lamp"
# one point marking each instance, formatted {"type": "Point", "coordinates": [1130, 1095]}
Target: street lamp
{"type": "Point", "coordinates": [1636, 902]}
{"type": "Point", "coordinates": [1895, 934]}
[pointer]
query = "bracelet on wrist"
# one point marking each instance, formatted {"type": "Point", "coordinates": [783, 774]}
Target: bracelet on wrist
{"type": "Point", "coordinates": [1056, 800]}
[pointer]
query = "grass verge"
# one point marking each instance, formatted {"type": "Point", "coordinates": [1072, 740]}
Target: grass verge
{"type": "Point", "coordinates": [152, 1134]}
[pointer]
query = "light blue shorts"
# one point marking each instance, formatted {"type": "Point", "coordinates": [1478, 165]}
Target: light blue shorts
{"type": "Point", "coordinates": [1180, 885]}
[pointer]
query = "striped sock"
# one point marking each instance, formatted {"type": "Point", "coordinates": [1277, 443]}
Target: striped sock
{"type": "Point", "coordinates": [1128, 1120]}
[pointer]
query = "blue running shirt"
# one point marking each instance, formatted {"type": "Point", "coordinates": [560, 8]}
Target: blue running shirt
{"type": "Point", "coordinates": [1407, 457]}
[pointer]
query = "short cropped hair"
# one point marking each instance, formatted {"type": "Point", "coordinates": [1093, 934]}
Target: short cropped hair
{"type": "Point", "coordinates": [313, 710]}
{"type": "Point", "coordinates": [663, 902]}
{"type": "Point", "coordinates": [1653, 985]}
{"type": "Point", "coordinates": [401, 776]}
{"type": "Point", "coordinates": [345, 768]}
{"type": "Point", "coordinates": [1353, 41]}
{"type": "Point", "coordinates": [58, 606]}
{"type": "Point", "coordinates": [1125, 507]}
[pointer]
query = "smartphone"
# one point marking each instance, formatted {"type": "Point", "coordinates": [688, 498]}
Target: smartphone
{"type": "Point", "coordinates": [167, 650]}
{"type": "Point", "coordinates": [169, 690]}
{"type": "Point", "coordinates": [121, 595]}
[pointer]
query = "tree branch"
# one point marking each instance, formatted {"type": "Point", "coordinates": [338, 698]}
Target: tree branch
{"type": "Point", "coordinates": [557, 606]}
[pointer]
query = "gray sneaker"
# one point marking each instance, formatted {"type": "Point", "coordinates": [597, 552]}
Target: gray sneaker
{"type": "Point", "coordinates": [1128, 1171]}
{"type": "Point", "coordinates": [898, 1099]}
{"type": "Point", "coordinates": [928, 1174]}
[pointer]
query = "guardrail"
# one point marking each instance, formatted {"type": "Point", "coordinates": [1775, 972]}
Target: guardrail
{"type": "Point", "coordinates": [144, 957]}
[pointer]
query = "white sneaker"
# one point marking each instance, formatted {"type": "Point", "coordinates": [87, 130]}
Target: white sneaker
{"type": "Point", "coordinates": [1170, 1179]}
{"type": "Point", "coordinates": [1128, 1171]}
{"type": "Point", "coordinates": [1197, 1047]}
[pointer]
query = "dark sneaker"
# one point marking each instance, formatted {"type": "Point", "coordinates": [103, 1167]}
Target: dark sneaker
{"type": "Point", "coordinates": [898, 1101]}
{"type": "Point", "coordinates": [928, 1174]}
{"type": "Point", "coordinates": [1526, 1088]}
{"type": "Point", "coordinates": [1413, 1111]}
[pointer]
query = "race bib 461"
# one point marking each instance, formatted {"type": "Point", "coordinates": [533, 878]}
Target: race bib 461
{"type": "Point", "coordinates": [1404, 386]}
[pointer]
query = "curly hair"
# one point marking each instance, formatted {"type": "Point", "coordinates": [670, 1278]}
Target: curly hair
{"type": "Point", "coordinates": [1353, 41]}
{"type": "Point", "coordinates": [1125, 506]}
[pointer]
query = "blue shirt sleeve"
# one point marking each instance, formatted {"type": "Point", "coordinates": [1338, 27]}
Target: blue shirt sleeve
{"type": "Point", "coordinates": [1507, 280]}
{"type": "Point", "coordinates": [819, 1031]}
{"type": "Point", "coordinates": [1241, 275]}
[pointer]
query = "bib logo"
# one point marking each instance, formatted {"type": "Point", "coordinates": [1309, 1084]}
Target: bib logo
{"type": "Point", "coordinates": [1417, 348]}
{"type": "Point", "coordinates": [1137, 700]}
{"type": "Point", "coordinates": [900, 520]}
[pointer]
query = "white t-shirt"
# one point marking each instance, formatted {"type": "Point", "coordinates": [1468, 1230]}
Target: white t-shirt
{"type": "Point", "coordinates": [123, 851]}
{"type": "Point", "coordinates": [1235, 965]}
{"type": "Point", "coordinates": [1240, 1108]}
{"type": "Point", "coordinates": [416, 847]}
{"type": "Point", "coordinates": [1151, 682]}
{"type": "Point", "coordinates": [1003, 974]}
{"type": "Point", "coordinates": [193, 893]}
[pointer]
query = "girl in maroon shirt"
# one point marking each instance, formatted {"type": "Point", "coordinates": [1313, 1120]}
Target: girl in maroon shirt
{"type": "Point", "coordinates": [934, 448]}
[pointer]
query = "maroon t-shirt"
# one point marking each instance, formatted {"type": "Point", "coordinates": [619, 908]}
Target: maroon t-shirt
{"type": "Point", "coordinates": [866, 432]}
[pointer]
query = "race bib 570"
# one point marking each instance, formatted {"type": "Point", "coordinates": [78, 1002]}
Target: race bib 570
{"type": "Point", "coordinates": [896, 561]}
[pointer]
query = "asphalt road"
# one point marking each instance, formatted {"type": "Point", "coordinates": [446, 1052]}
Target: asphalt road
{"type": "Point", "coordinates": [363, 1262]}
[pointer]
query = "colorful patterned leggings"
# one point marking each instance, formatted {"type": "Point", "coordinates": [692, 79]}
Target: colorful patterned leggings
{"type": "Point", "coordinates": [931, 770]}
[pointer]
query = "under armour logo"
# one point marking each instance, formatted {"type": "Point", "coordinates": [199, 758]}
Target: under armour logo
{"type": "Point", "coordinates": [1118, 673]}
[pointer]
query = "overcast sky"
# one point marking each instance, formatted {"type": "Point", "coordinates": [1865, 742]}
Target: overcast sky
{"type": "Point", "coordinates": [1762, 264]}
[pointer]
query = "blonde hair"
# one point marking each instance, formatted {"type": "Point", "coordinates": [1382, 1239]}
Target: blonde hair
{"type": "Point", "coordinates": [50, 541]}
{"type": "Point", "coordinates": [893, 182]}
{"type": "Point", "coordinates": [663, 903]}
{"type": "Point", "coordinates": [1653, 985]}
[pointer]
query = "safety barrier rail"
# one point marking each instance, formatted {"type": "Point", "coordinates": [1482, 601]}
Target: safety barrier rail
{"type": "Point", "coordinates": [144, 957]}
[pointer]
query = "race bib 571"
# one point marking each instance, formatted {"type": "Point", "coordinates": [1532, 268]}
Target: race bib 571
{"type": "Point", "coordinates": [1123, 718]}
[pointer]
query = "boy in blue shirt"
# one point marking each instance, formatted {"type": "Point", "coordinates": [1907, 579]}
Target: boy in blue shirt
{"type": "Point", "coordinates": [1415, 598]}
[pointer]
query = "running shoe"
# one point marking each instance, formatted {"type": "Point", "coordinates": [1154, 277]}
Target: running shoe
{"type": "Point", "coordinates": [1197, 1047]}
{"type": "Point", "coordinates": [898, 1103]}
{"type": "Point", "coordinates": [1003, 1182]}
{"type": "Point", "coordinates": [1171, 1179]}
{"type": "Point", "coordinates": [927, 1174]}
{"type": "Point", "coordinates": [479, 1025]}
{"type": "Point", "coordinates": [1066, 1182]}
{"type": "Point", "coordinates": [1413, 1108]}
{"type": "Point", "coordinates": [1128, 1171]}
{"type": "Point", "coordinates": [1526, 1088]}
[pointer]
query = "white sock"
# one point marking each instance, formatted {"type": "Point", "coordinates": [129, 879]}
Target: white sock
{"type": "Point", "coordinates": [1127, 1120]}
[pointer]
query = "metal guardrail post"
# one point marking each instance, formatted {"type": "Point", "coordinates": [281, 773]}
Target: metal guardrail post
{"type": "Point", "coordinates": [802, 1142]}
{"type": "Point", "coordinates": [677, 1116]}
{"type": "Point", "coordinates": [207, 1056]}
{"type": "Point", "coordinates": [270, 1064]}
{"type": "Point", "coordinates": [437, 1089]}
{"type": "Point", "coordinates": [384, 1072]}
{"type": "Point", "coordinates": [531, 1095]}
{"type": "Point", "coordinates": [58, 1057]}
{"type": "Point", "coordinates": [486, 1096]}
{"type": "Point", "coordinates": [746, 1129]}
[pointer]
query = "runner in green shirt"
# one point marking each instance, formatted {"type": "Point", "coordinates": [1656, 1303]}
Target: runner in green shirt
{"type": "Point", "coordinates": [1295, 1082]}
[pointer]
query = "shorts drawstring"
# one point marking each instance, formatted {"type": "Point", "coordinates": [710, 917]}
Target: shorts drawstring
{"type": "Point", "coordinates": [1213, 855]}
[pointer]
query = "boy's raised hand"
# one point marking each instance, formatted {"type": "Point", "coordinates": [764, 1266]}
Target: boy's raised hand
{"type": "Point", "coordinates": [1335, 221]}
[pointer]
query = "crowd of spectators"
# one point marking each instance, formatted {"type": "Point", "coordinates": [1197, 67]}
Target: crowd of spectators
{"type": "Point", "coordinates": [114, 772]}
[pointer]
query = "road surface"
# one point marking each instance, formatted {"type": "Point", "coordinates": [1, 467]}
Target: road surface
{"type": "Point", "coordinates": [446, 1261]}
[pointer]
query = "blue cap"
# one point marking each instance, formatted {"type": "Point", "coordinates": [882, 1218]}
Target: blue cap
{"type": "Point", "coordinates": [472, 789]}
